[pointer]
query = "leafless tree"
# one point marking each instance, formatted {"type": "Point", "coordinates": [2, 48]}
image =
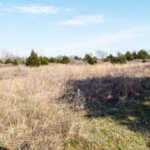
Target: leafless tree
{"type": "Point", "coordinates": [6, 54]}
{"type": "Point", "coordinates": [101, 54]}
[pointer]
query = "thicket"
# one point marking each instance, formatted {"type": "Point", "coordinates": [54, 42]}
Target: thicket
{"type": "Point", "coordinates": [120, 59]}
{"type": "Point", "coordinates": [15, 62]}
{"type": "Point", "coordinates": [77, 58]}
{"type": "Point", "coordinates": [65, 60]}
{"type": "Point", "coordinates": [128, 56]}
{"type": "Point", "coordinates": [44, 60]}
{"type": "Point", "coordinates": [52, 60]}
{"type": "Point", "coordinates": [142, 54]}
{"type": "Point", "coordinates": [90, 60]}
{"type": "Point", "coordinates": [34, 60]}
{"type": "Point", "coordinates": [8, 61]}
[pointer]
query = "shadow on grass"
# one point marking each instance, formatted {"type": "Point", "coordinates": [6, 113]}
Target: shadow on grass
{"type": "Point", "coordinates": [126, 100]}
{"type": "Point", "coordinates": [2, 148]}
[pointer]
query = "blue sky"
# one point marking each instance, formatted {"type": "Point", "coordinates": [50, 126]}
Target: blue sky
{"type": "Point", "coordinates": [73, 27]}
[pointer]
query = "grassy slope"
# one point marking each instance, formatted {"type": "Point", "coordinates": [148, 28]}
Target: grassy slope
{"type": "Point", "coordinates": [31, 118]}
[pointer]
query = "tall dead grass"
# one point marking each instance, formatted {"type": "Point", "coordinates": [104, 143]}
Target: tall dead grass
{"type": "Point", "coordinates": [30, 115]}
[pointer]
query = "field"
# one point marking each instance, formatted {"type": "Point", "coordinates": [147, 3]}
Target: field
{"type": "Point", "coordinates": [75, 107]}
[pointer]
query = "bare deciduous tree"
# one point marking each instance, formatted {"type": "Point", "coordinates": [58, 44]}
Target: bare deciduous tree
{"type": "Point", "coordinates": [101, 54]}
{"type": "Point", "coordinates": [6, 54]}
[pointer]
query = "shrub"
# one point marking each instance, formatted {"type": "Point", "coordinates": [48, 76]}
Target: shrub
{"type": "Point", "coordinates": [59, 60]}
{"type": "Point", "coordinates": [8, 61]}
{"type": "Point", "coordinates": [134, 54]}
{"type": "Point", "coordinates": [22, 62]}
{"type": "Point", "coordinates": [52, 60]}
{"type": "Point", "coordinates": [95, 59]}
{"type": "Point", "coordinates": [33, 60]}
{"type": "Point", "coordinates": [120, 59]}
{"type": "Point", "coordinates": [142, 54]}
{"type": "Point", "coordinates": [114, 60]}
{"type": "Point", "coordinates": [1, 61]}
{"type": "Point", "coordinates": [129, 56]}
{"type": "Point", "coordinates": [65, 60]}
{"type": "Point", "coordinates": [108, 58]}
{"type": "Point", "coordinates": [15, 62]}
{"type": "Point", "coordinates": [77, 58]}
{"type": "Point", "coordinates": [89, 59]}
{"type": "Point", "coordinates": [44, 60]}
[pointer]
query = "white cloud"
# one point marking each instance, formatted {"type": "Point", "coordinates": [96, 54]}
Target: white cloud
{"type": "Point", "coordinates": [84, 20]}
{"type": "Point", "coordinates": [37, 9]}
{"type": "Point", "coordinates": [32, 9]}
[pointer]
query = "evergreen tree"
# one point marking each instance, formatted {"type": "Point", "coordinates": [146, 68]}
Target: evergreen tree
{"type": "Point", "coordinates": [134, 54]}
{"type": "Point", "coordinates": [44, 60]}
{"type": "Point", "coordinates": [15, 62]}
{"type": "Point", "coordinates": [33, 60]}
{"type": "Point", "coordinates": [129, 56]}
{"type": "Point", "coordinates": [65, 60]}
{"type": "Point", "coordinates": [142, 54]}
{"type": "Point", "coordinates": [8, 61]}
{"type": "Point", "coordinates": [89, 59]}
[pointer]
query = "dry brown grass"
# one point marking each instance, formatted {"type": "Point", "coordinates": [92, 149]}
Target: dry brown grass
{"type": "Point", "coordinates": [30, 115]}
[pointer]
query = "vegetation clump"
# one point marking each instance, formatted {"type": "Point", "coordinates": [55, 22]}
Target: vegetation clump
{"type": "Point", "coordinates": [15, 62]}
{"type": "Point", "coordinates": [108, 58]}
{"type": "Point", "coordinates": [23, 62]}
{"type": "Point", "coordinates": [121, 59]}
{"type": "Point", "coordinates": [33, 60]}
{"type": "Point", "coordinates": [142, 54]}
{"type": "Point", "coordinates": [128, 56]}
{"type": "Point", "coordinates": [65, 60]}
{"type": "Point", "coordinates": [8, 61]}
{"type": "Point", "coordinates": [1, 61]}
{"type": "Point", "coordinates": [52, 60]}
{"type": "Point", "coordinates": [44, 60]}
{"type": "Point", "coordinates": [90, 60]}
{"type": "Point", "coordinates": [134, 54]}
{"type": "Point", "coordinates": [77, 58]}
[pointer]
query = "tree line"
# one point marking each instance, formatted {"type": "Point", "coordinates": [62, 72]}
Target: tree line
{"type": "Point", "coordinates": [35, 60]}
{"type": "Point", "coordinates": [128, 56]}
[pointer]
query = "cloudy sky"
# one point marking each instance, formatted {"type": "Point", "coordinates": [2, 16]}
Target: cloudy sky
{"type": "Point", "coordinates": [73, 27]}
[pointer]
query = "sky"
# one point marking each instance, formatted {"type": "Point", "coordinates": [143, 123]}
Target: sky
{"type": "Point", "coordinates": [73, 27]}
